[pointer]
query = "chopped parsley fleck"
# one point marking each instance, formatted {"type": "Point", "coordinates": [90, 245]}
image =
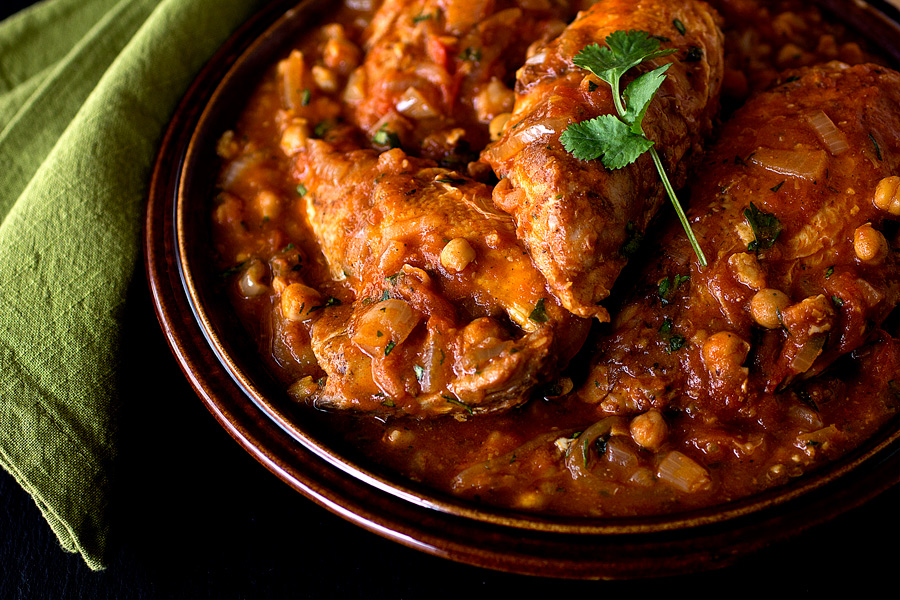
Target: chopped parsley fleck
{"type": "Point", "coordinates": [673, 341]}
{"type": "Point", "coordinates": [667, 287]}
{"type": "Point", "coordinates": [419, 371]}
{"type": "Point", "coordinates": [694, 54]}
{"type": "Point", "coordinates": [765, 226]}
{"type": "Point", "coordinates": [389, 403]}
{"type": "Point", "coordinates": [422, 17]}
{"type": "Point", "coordinates": [305, 96]}
{"type": "Point", "coordinates": [323, 127]}
{"type": "Point", "coordinates": [452, 400]}
{"type": "Point", "coordinates": [451, 180]}
{"type": "Point", "coordinates": [679, 26]}
{"type": "Point", "coordinates": [234, 270]}
{"type": "Point", "coordinates": [877, 147]}
{"type": "Point", "coordinates": [539, 315]}
{"type": "Point", "coordinates": [390, 346]}
{"type": "Point", "coordinates": [386, 137]}
{"type": "Point", "coordinates": [332, 301]}
{"type": "Point", "coordinates": [778, 187]}
{"type": "Point", "coordinates": [633, 243]}
{"type": "Point", "coordinates": [393, 278]}
{"type": "Point", "coordinates": [837, 301]}
{"type": "Point", "coordinates": [301, 190]}
{"type": "Point", "coordinates": [471, 54]}
{"type": "Point", "coordinates": [829, 271]}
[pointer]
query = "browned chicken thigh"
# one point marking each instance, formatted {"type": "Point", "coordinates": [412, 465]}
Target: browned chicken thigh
{"type": "Point", "coordinates": [796, 207]}
{"type": "Point", "coordinates": [437, 72]}
{"type": "Point", "coordinates": [575, 216]}
{"type": "Point", "coordinates": [449, 313]}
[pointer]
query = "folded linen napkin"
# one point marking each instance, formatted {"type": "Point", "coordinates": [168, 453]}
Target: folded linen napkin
{"type": "Point", "coordinates": [86, 90]}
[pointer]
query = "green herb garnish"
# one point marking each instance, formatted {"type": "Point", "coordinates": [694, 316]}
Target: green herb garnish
{"type": "Point", "coordinates": [471, 54]}
{"type": "Point", "coordinates": [539, 315]}
{"type": "Point", "coordinates": [386, 137]}
{"type": "Point", "coordinates": [765, 226]}
{"type": "Point", "coordinates": [419, 371]}
{"type": "Point", "coordinates": [301, 190]}
{"type": "Point", "coordinates": [332, 301]}
{"type": "Point", "coordinates": [667, 287]}
{"type": "Point", "coordinates": [877, 147]}
{"type": "Point", "coordinates": [390, 346]}
{"type": "Point", "coordinates": [305, 96]}
{"type": "Point", "coordinates": [778, 186]}
{"type": "Point", "coordinates": [679, 26]}
{"type": "Point", "coordinates": [323, 127]}
{"type": "Point", "coordinates": [619, 140]}
{"type": "Point", "coordinates": [829, 271]}
{"type": "Point", "coordinates": [452, 400]}
{"type": "Point", "coordinates": [837, 301]}
{"type": "Point", "coordinates": [422, 17]}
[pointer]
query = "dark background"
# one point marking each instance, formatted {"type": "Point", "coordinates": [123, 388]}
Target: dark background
{"type": "Point", "coordinates": [196, 516]}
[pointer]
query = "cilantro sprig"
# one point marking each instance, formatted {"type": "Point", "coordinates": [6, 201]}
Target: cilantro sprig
{"type": "Point", "coordinates": [618, 140]}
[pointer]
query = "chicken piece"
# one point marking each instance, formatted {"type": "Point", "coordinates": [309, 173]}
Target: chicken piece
{"type": "Point", "coordinates": [437, 72]}
{"type": "Point", "coordinates": [450, 314]}
{"type": "Point", "coordinates": [804, 263]}
{"type": "Point", "coordinates": [576, 217]}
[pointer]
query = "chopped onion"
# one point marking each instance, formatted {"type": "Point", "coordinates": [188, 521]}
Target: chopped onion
{"type": "Point", "coordinates": [830, 135]}
{"type": "Point", "coordinates": [292, 69]}
{"type": "Point", "coordinates": [414, 105]}
{"type": "Point", "coordinates": [537, 59]}
{"type": "Point", "coordinates": [580, 453]}
{"type": "Point", "coordinates": [236, 167]}
{"type": "Point", "coordinates": [251, 282]}
{"type": "Point", "coordinates": [683, 473]}
{"type": "Point", "coordinates": [384, 326]}
{"type": "Point", "coordinates": [808, 353]}
{"type": "Point", "coordinates": [808, 164]}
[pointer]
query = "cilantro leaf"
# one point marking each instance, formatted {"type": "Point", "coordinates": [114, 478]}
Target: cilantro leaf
{"type": "Point", "coordinates": [605, 137]}
{"type": "Point", "coordinates": [619, 140]}
{"type": "Point", "coordinates": [638, 95]}
{"type": "Point", "coordinates": [765, 226]}
{"type": "Point", "coordinates": [623, 51]}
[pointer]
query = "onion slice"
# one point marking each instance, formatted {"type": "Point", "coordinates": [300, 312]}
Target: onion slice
{"type": "Point", "coordinates": [807, 164]}
{"type": "Point", "coordinates": [830, 135]}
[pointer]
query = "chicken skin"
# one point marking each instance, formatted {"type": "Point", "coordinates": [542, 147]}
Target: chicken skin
{"type": "Point", "coordinates": [576, 217]}
{"type": "Point", "coordinates": [796, 205]}
{"type": "Point", "coordinates": [449, 316]}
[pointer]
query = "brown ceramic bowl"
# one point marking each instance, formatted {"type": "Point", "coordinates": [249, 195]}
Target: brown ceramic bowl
{"type": "Point", "coordinates": [223, 366]}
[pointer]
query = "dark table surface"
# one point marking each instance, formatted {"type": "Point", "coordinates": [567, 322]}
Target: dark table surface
{"type": "Point", "coordinates": [196, 516]}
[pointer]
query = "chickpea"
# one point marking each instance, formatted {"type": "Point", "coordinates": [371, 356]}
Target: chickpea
{"type": "Point", "coordinates": [724, 352]}
{"type": "Point", "coordinates": [887, 195]}
{"type": "Point", "coordinates": [766, 306]}
{"type": "Point", "coordinates": [457, 254]}
{"type": "Point", "coordinates": [869, 244]}
{"type": "Point", "coordinates": [649, 430]}
{"type": "Point", "coordinates": [298, 300]}
{"type": "Point", "coordinates": [268, 204]}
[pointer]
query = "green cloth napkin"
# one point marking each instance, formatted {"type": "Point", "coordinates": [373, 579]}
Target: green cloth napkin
{"type": "Point", "coordinates": [86, 90]}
